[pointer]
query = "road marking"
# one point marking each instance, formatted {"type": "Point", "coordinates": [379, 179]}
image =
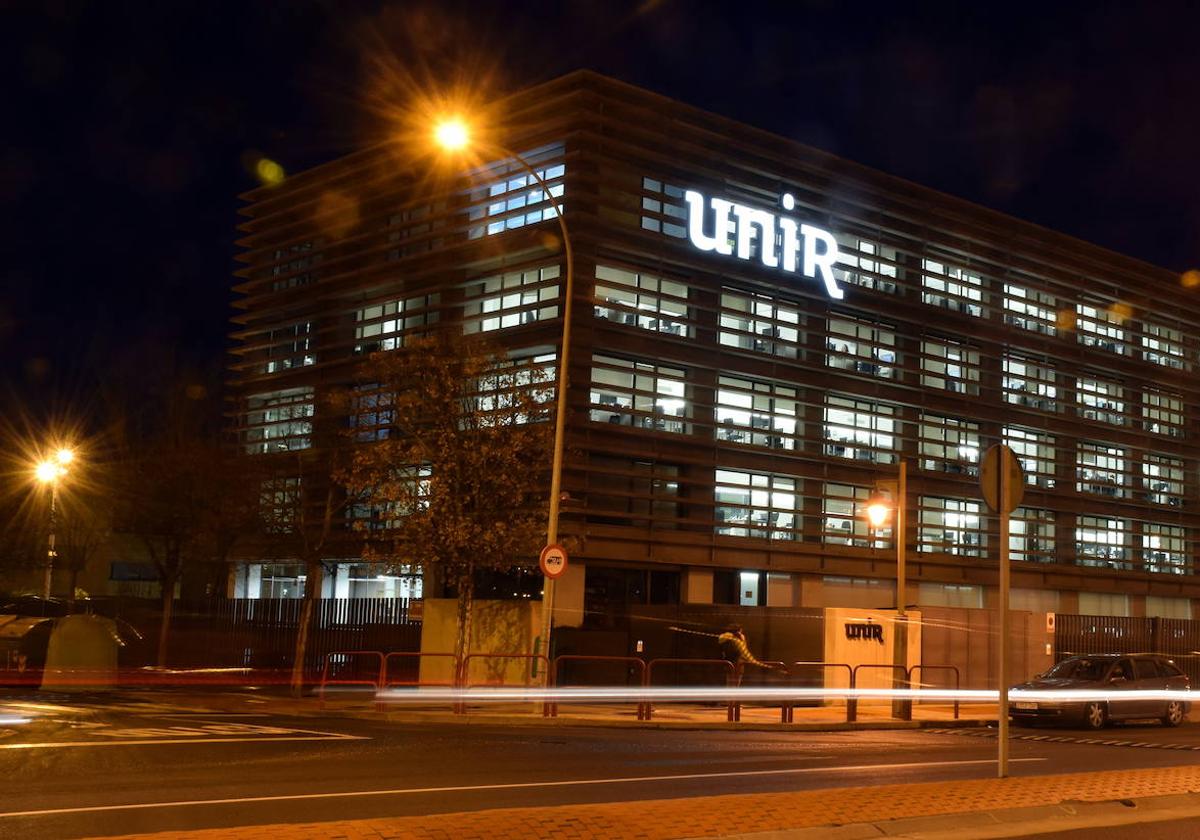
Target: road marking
{"type": "Point", "coordinates": [57, 745]}
{"type": "Point", "coordinates": [991, 733]}
{"type": "Point", "coordinates": [242, 800]}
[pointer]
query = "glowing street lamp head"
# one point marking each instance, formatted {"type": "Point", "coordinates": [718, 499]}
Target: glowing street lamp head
{"type": "Point", "coordinates": [64, 456]}
{"type": "Point", "coordinates": [452, 134]}
{"type": "Point", "coordinates": [879, 510]}
{"type": "Point", "coordinates": [48, 471]}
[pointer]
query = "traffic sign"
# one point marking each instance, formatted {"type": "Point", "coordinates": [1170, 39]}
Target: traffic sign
{"type": "Point", "coordinates": [989, 478]}
{"type": "Point", "coordinates": [553, 561]}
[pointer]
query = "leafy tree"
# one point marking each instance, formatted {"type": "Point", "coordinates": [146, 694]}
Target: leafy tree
{"type": "Point", "coordinates": [457, 477]}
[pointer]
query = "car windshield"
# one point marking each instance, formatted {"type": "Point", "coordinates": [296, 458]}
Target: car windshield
{"type": "Point", "coordinates": [1080, 669]}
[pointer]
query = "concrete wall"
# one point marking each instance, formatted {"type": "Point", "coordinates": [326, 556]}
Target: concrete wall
{"type": "Point", "coordinates": [969, 640]}
{"type": "Point", "coordinates": [869, 651]}
{"type": "Point", "coordinates": [496, 627]}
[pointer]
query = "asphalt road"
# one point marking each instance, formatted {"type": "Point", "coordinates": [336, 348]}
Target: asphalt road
{"type": "Point", "coordinates": [81, 767]}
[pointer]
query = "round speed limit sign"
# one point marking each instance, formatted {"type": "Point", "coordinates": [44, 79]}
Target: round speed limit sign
{"type": "Point", "coordinates": [553, 561]}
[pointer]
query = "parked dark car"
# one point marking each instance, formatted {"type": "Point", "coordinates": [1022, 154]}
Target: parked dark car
{"type": "Point", "coordinates": [1112, 673]}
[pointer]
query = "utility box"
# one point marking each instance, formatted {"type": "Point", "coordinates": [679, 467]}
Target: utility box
{"type": "Point", "coordinates": [82, 655]}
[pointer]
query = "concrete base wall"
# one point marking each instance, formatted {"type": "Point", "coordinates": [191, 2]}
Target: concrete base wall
{"type": "Point", "coordinates": [497, 627]}
{"type": "Point", "coordinates": [969, 639]}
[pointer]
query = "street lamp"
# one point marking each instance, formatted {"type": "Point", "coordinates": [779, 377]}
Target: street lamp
{"type": "Point", "coordinates": [452, 134]}
{"type": "Point", "coordinates": [50, 472]}
{"type": "Point", "coordinates": [889, 500]}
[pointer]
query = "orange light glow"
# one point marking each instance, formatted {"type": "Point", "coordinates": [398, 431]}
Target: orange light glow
{"type": "Point", "coordinates": [452, 134]}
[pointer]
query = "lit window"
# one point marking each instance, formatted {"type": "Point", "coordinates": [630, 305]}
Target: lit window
{"type": "Point", "coordinates": [1030, 383]}
{"type": "Point", "coordinates": [1164, 548]}
{"type": "Point", "coordinates": [951, 288]}
{"type": "Point", "coordinates": [865, 263]}
{"type": "Point", "coordinates": [949, 365]}
{"type": "Point", "coordinates": [517, 385]}
{"type": "Point", "coordinates": [1162, 413]}
{"type": "Point", "coordinates": [861, 346]}
{"type": "Point", "coordinates": [385, 326]}
{"type": "Point", "coordinates": [1102, 541]}
{"type": "Point", "coordinates": [663, 208]}
{"type": "Point", "coordinates": [760, 324]}
{"type": "Point", "coordinates": [949, 445]}
{"type": "Point", "coordinates": [1100, 400]}
{"type": "Point", "coordinates": [1163, 346]}
{"type": "Point", "coordinates": [289, 347]}
{"type": "Point", "coordinates": [371, 415]}
{"type": "Point", "coordinates": [1162, 477]}
{"type": "Point", "coordinates": [951, 526]}
{"type": "Point", "coordinates": [1101, 328]}
{"type": "Point", "coordinates": [278, 421]}
{"type": "Point", "coordinates": [1036, 453]}
{"type": "Point", "coordinates": [513, 198]}
{"type": "Point", "coordinates": [642, 300]}
{"type": "Point", "coordinates": [279, 501]}
{"type": "Point", "coordinates": [844, 519]}
{"type": "Point", "coordinates": [860, 429]}
{"type": "Point", "coordinates": [757, 505]}
{"type": "Point", "coordinates": [1031, 535]}
{"type": "Point", "coordinates": [511, 299]}
{"type": "Point", "coordinates": [641, 394]}
{"type": "Point", "coordinates": [1100, 469]}
{"type": "Point", "coordinates": [756, 413]}
{"type": "Point", "coordinates": [1029, 309]}
{"type": "Point", "coordinates": [293, 266]}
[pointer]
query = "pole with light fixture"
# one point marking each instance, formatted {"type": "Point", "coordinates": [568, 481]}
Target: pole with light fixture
{"type": "Point", "coordinates": [890, 499]}
{"type": "Point", "coordinates": [50, 471]}
{"type": "Point", "coordinates": [454, 135]}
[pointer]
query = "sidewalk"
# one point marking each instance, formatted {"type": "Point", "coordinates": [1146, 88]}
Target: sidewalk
{"type": "Point", "coordinates": [872, 714]}
{"type": "Point", "coordinates": [982, 808]}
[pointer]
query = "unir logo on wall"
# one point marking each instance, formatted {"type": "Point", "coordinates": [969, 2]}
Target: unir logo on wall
{"type": "Point", "coordinates": [864, 631]}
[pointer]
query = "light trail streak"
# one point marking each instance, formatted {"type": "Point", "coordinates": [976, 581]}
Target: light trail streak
{"type": "Point", "coordinates": [772, 694]}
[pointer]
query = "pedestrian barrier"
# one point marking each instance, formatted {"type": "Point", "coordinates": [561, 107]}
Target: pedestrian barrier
{"type": "Point", "coordinates": [464, 673]}
{"type": "Point", "coordinates": [551, 709]}
{"type": "Point", "coordinates": [733, 711]}
{"type": "Point", "coordinates": [850, 708]}
{"type": "Point", "coordinates": [952, 668]}
{"type": "Point", "coordinates": [350, 658]}
{"type": "Point", "coordinates": [901, 709]}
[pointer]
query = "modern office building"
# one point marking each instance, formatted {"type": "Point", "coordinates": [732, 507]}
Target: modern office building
{"type": "Point", "coordinates": [762, 331]}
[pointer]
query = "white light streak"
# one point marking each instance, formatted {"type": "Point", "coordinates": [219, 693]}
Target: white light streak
{"type": "Point", "coordinates": [767, 694]}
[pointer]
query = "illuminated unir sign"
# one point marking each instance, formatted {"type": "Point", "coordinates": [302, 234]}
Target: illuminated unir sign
{"type": "Point", "coordinates": [783, 242]}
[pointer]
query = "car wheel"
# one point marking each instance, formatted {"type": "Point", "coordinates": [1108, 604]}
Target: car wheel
{"type": "Point", "coordinates": [1095, 715]}
{"type": "Point", "coordinates": [1173, 716]}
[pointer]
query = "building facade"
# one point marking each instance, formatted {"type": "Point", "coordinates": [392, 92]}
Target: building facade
{"type": "Point", "coordinates": [761, 332]}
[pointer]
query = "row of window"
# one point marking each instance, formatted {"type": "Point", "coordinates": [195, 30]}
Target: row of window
{"type": "Point", "coordinates": [759, 413]}
{"type": "Point", "coordinates": [748, 322]}
{"type": "Point", "coordinates": [959, 288]}
{"type": "Point", "coordinates": [769, 506]}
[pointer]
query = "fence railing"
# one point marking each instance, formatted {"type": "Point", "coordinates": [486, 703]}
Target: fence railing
{"type": "Point", "coordinates": [346, 668]}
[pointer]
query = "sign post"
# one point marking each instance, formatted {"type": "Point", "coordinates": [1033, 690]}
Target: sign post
{"type": "Point", "coordinates": [1003, 484]}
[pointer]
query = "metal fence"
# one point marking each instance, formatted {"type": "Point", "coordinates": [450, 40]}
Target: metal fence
{"type": "Point", "coordinates": [261, 633]}
{"type": "Point", "coordinates": [1178, 638]}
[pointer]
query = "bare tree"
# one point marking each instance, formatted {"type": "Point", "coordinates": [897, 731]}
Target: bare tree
{"type": "Point", "coordinates": [303, 516]}
{"type": "Point", "coordinates": [457, 481]}
{"type": "Point", "coordinates": [83, 522]}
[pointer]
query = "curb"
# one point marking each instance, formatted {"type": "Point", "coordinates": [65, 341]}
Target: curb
{"type": "Point", "coordinates": [1007, 822]}
{"type": "Point", "coordinates": [716, 726]}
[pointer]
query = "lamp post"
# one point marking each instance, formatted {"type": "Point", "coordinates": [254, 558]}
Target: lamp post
{"type": "Point", "coordinates": [49, 472]}
{"type": "Point", "coordinates": [890, 499]}
{"type": "Point", "coordinates": [454, 135]}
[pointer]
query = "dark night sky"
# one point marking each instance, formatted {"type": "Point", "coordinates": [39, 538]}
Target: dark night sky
{"type": "Point", "coordinates": [128, 126]}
